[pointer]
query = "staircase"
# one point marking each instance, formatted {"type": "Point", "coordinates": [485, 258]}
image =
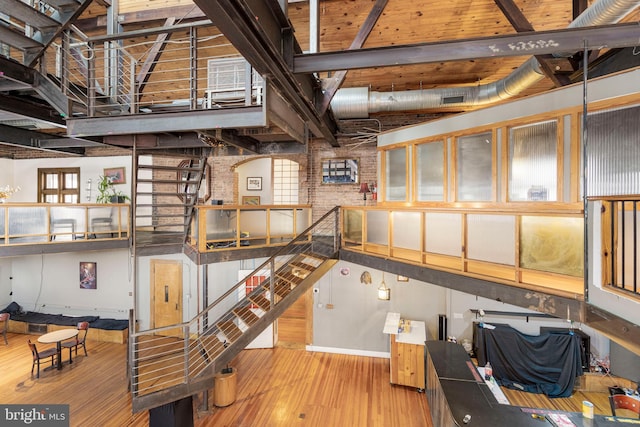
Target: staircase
{"type": "Point", "coordinates": [173, 362]}
{"type": "Point", "coordinates": [167, 190]}
{"type": "Point", "coordinates": [31, 29]}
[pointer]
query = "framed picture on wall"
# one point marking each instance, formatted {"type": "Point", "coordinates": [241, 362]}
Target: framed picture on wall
{"type": "Point", "coordinates": [116, 175]}
{"type": "Point", "coordinates": [88, 275]}
{"type": "Point", "coordinates": [250, 200]}
{"type": "Point", "coordinates": [254, 183]}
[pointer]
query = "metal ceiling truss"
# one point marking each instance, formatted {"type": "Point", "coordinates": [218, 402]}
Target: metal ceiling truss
{"type": "Point", "coordinates": [23, 138]}
{"type": "Point", "coordinates": [261, 32]}
{"type": "Point", "coordinates": [521, 44]}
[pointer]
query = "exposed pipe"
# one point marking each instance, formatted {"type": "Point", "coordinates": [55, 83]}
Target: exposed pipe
{"type": "Point", "coordinates": [359, 102]}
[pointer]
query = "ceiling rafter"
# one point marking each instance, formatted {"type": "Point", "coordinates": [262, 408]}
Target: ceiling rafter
{"type": "Point", "coordinates": [333, 84]}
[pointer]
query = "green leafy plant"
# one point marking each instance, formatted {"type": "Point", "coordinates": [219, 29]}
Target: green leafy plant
{"type": "Point", "coordinates": [107, 192]}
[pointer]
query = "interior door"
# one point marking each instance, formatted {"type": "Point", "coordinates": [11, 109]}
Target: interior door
{"type": "Point", "coordinates": [166, 304]}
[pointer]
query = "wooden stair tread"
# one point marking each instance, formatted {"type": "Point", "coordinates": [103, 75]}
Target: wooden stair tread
{"type": "Point", "coordinates": [318, 259]}
{"type": "Point", "coordinates": [229, 329]}
{"type": "Point", "coordinates": [246, 315]}
{"type": "Point", "coordinates": [281, 288]}
{"type": "Point", "coordinates": [261, 302]}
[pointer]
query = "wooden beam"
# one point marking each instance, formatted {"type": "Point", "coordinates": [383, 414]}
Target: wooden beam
{"type": "Point", "coordinates": [153, 56]}
{"type": "Point", "coordinates": [336, 81]}
{"type": "Point", "coordinates": [521, 24]}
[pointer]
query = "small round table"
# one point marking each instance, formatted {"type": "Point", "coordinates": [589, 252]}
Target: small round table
{"type": "Point", "coordinates": [57, 337]}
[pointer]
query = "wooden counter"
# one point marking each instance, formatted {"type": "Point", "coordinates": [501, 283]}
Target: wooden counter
{"type": "Point", "coordinates": [407, 352]}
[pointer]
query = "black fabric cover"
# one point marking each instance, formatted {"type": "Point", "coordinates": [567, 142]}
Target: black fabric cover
{"type": "Point", "coordinates": [62, 320]}
{"type": "Point", "coordinates": [13, 309]}
{"type": "Point", "coordinates": [547, 363]}
{"type": "Point", "coordinates": [110, 324]}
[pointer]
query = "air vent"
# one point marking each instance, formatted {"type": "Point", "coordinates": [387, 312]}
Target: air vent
{"type": "Point", "coordinates": [453, 100]}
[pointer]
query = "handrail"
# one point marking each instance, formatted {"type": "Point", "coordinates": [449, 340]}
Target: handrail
{"type": "Point", "coordinates": [36, 223]}
{"type": "Point", "coordinates": [179, 354]}
{"type": "Point", "coordinates": [528, 249]}
{"type": "Point", "coordinates": [211, 235]}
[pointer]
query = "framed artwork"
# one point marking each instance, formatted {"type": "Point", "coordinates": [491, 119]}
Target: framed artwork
{"type": "Point", "coordinates": [340, 171]}
{"type": "Point", "coordinates": [254, 183]}
{"type": "Point", "coordinates": [88, 275]}
{"type": "Point", "coordinates": [116, 175]}
{"type": "Point", "coordinates": [250, 200]}
{"type": "Point", "coordinates": [402, 278]}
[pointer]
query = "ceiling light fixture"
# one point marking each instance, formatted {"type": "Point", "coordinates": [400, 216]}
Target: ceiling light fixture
{"type": "Point", "coordinates": [384, 293]}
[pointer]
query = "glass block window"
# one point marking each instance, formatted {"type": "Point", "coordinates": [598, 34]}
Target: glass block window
{"type": "Point", "coordinates": [285, 182]}
{"type": "Point", "coordinates": [533, 162]}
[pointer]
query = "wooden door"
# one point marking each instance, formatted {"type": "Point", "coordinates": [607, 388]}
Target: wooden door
{"type": "Point", "coordinates": [295, 324]}
{"type": "Point", "coordinates": [166, 292]}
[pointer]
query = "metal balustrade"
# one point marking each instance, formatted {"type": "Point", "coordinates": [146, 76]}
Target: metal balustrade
{"type": "Point", "coordinates": [179, 360]}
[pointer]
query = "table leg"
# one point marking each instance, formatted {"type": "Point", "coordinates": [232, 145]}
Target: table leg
{"type": "Point", "coordinates": [59, 351]}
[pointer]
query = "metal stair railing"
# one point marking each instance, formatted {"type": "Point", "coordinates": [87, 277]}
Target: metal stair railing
{"type": "Point", "coordinates": [180, 360]}
{"type": "Point", "coordinates": [167, 194]}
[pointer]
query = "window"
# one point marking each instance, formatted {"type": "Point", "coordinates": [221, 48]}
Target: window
{"type": "Point", "coordinates": [474, 167]}
{"type": "Point", "coordinates": [59, 185]}
{"type": "Point", "coordinates": [430, 171]}
{"type": "Point", "coordinates": [613, 152]}
{"type": "Point", "coordinates": [533, 162]}
{"type": "Point", "coordinates": [285, 182]}
{"type": "Point", "coordinates": [396, 174]}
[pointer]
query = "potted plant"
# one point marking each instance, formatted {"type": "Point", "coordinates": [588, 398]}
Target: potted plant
{"type": "Point", "coordinates": [107, 192]}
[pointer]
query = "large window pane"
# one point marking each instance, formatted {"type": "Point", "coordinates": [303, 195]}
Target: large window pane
{"type": "Point", "coordinates": [474, 167]}
{"type": "Point", "coordinates": [500, 230]}
{"type": "Point", "coordinates": [443, 233]}
{"type": "Point", "coordinates": [396, 175]}
{"type": "Point", "coordinates": [613, 152]}
{"type": "Point", "coordinates": [552, 244]}
{"type": "Point", "coordinates": [533, 162]}
{"type": "Point", "coordinates": [430, 171]}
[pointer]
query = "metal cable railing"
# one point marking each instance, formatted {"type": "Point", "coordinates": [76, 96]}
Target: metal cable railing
{"type": "Point", "coordinates": [167, 71]}
{"type": "Point", "coordinates": [179, 354]}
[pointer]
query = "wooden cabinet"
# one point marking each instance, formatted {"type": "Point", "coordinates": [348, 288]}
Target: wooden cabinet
{"type": "Point", "coordinates": [407, 363]}
{"type": "Point", "coordinates": [407, 352]}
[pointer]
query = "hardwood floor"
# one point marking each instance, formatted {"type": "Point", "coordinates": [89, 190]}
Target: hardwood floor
{"type": "Point", "coordinates": [276, 387]}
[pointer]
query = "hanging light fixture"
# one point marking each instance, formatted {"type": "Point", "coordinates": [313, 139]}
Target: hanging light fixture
{"type": "Point", "coordinates": [384, 293]}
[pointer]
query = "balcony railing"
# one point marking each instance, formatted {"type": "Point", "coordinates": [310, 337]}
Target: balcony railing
{"type": "Point", "coordinates": [533, 249]}
{"type": "Point", "coordinates": [621, 254]}
{"type": "Point", "coordinates": [241, 226]}
{"type": "Point", "coordinates": [35, 223]}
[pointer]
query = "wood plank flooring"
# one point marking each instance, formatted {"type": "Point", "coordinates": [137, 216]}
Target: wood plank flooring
{"type": "Point", "coordinates": [276, 387]}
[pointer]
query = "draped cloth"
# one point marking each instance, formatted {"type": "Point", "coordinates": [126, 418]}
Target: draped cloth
{"type": "Point", "coordinates": [548, 363]}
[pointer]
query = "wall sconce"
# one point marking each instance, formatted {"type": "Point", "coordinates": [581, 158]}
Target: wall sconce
{"type": "Point", "coordinates": [384, 293]}
{"type": "Point", "coordinates": [364, 189]}
{"type": "Point", "coordinates": [88, 188]}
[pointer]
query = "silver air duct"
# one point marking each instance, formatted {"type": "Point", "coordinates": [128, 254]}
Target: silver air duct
{"type": "Point", "coordinates": [358, 103]}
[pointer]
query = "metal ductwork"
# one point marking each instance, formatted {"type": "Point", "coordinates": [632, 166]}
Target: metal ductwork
{"type": "Point", "coordinates": [358, 103]}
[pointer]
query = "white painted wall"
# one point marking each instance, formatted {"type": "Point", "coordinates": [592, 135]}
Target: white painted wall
{"type": "Point", "coordinates": [49, 283]}
{"type": "Point", "coordinates": [25, 174]}
{"type": "Point", "coordinates": [256, 168]}
{"type": "Point", "coordinates": [355, 323]}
